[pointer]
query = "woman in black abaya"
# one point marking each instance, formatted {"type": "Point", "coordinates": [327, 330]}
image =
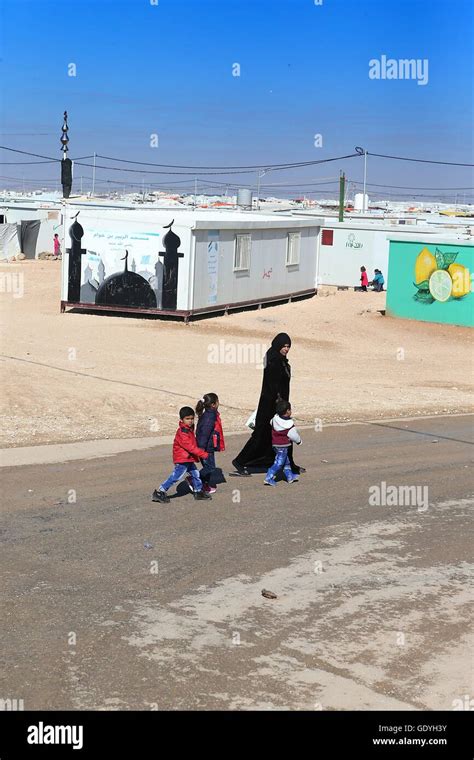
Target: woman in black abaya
{"type": "Point", "coordinates": [258, 451]}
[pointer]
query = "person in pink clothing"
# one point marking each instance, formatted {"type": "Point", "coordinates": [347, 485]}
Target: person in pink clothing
{"type": "Point", "coordinates": [57, 246]}
{"type": "Point", "coordinates": [364, 280]}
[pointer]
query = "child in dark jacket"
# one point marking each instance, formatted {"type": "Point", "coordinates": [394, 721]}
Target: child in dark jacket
{"type": "Point", "coordinates": [209, 436]}
{"type": "Point", "coordinates": [284, 434]}
{"type": "Point", "coordinates": [186, 453]}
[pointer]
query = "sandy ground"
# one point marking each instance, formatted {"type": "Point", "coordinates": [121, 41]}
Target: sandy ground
{"type": "Point", "coordinates": [70, 377]}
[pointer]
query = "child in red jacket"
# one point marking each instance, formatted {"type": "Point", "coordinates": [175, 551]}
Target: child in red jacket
{"type": "Point", "coordinates": [186, 453]}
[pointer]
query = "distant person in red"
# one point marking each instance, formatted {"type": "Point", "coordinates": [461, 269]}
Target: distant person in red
{"type": "Point", "coordinates": [57, 246]}
{"type": "Point", "coordinates": [364, 280]}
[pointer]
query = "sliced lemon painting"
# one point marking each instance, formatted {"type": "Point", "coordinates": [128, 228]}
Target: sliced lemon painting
{"type": "Point", "coordinates": [439, 278]}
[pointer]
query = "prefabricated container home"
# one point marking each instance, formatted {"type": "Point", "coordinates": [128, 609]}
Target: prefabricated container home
{"type": "Point", "coordinates": [346, 246]}
{"type": "Point", "coordinates": [184, 262]}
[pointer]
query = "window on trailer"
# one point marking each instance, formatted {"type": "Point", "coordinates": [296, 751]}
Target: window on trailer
{"type": "Point", "coordinates": [243, 245]}
{"type": "Point", "coordinates": [293, 248]}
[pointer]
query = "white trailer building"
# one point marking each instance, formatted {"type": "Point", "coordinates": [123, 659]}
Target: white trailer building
{"type": "Point", "coordinates": [226, 259]}
{"type": "Point", "coordinates": [346, 246]}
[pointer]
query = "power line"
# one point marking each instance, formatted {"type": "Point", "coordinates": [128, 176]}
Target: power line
{"type": "Point", "coordinates": [196, 169]}
{"type": "Point", "coordinates": [197, 172]}
{"type": "Point", "coordinates": [402, 187]}
{"type": "Point", "coordinates": [290, 165]}
{"type": "Point", "coordinates": [276, 185]}
{"type": "Point", "coordinates": [38, 155]}
{"type": "Point", "coordinates": [417, 160]}
{"type": "Point", "coordinates": [27, 163]}
{"type": "Point", "coordinates": [293, 165]}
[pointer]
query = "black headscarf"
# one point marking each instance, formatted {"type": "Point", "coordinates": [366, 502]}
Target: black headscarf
{"type": "Point", "coordinates": [280, 340]}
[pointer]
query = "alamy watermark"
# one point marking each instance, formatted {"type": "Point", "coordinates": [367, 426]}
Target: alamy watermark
{"type": "Point", "coordinates": [52, 734]}
{"type": "Point", "coordinates": [11, 705]}
{"type": "Point", "coordinates": [464, 703]}
{"type": "Point", "coordinates": [237, 353]}
{"type": "Point", "coordinates": [12, 282]}
{"type": "Point", "coordinates": [384, 495]}
{"type": "Point", "coordinates": [403, 68]}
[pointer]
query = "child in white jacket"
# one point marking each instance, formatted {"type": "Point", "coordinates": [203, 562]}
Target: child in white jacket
{"type": "Point", "coordinates": [284, 434]}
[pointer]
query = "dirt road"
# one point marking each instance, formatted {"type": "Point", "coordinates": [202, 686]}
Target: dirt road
{"type": "Point", "coordinates": [372, 607]}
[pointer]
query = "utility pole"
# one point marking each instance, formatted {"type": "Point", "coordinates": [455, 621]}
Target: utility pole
{"type": "Point", "coordinates": [342, 182]}
{"type": "Point", "coordinates": [261, 173]}
{"type": "Point", "coordinates": [93, 176]}
{"type": "Point", "coordinates": [258, 188]}
{"type": "Point", "coordinates": [195, 191]}
{"type": "Point", "coordinates": [363, 152]}
{"type": "Point", "coordinates": [365, 205]}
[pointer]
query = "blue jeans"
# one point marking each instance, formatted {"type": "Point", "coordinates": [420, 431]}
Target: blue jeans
{"type": "Point", "coordinates": [208, 466]}
{"type": "Point", "coordinates": [281, 462]}
{"type": "Point", "coordinates": [179, 471]}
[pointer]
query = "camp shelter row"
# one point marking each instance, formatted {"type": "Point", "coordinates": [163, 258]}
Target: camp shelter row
{"type": "Point", "coordinates": [343, 247]}
{"type": "Point", "coordinates": [225, 258]}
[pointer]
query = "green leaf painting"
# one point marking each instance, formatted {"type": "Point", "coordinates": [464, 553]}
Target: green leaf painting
{"type": "Point", "coordinates": [424, 285]}
{"type": "Point", "coordinates": [443, 260]}
{"type": "Point", "coordinates": [423, 296]}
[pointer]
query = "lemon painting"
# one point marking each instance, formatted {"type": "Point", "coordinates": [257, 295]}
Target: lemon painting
{"type": "Point", "coordinates": [438, 277]}
{"type": "Point", "coordinates": [431, 279]}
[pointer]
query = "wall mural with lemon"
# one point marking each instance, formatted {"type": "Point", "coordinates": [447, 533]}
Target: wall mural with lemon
{"type": "Point", "coordinates": [431, 282]}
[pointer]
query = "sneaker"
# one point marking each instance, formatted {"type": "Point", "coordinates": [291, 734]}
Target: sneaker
{"type": "Point", "coordinates": [269, 482]}
{"type": "Point", "coordinates": [292, 480]}
{"type": "Point", "coordinates": [160, 496]}
{"type": "Point", "coordinates": [207, 488]}
{"type": "Point", "coordinates": [189, 481]}
{"type": "Point", "coordinates": [201, 496]}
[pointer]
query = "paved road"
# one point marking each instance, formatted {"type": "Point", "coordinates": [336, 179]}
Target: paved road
{"type": "Point", "coordinates": [372, 599]}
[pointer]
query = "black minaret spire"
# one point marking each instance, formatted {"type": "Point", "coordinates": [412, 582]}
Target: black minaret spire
{"type": "Point", "coordinates": [170, 271]}
{"type": "Point", "coordinates": [66, 163]}
{"type": "Point", "coordinates": [75, 252]}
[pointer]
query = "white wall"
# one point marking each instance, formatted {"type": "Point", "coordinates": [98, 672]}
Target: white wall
{"type": "Point", "coordinates": [352, 248]}
{"type": "Point", "coordinates": [47, 230]}
{"type": "Point", "coordinates": [109, 233]}
{"type": "Point", "coordinates": [268, 275]}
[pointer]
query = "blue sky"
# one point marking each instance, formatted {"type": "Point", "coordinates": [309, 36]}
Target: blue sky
{"type": "Point", "coordinates": [143, 69]}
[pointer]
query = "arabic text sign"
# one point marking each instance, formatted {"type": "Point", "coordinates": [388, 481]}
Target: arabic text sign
{"type": "Point", "coordinates": [212, 264]}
